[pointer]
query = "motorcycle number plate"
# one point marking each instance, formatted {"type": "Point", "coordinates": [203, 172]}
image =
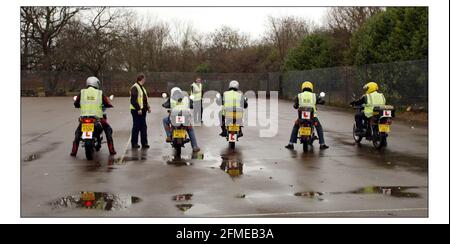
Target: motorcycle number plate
{"type": "Point", "coordinates": [306, 115]}
{"type": "Point", "coordinates": [232, 137]}
{"type": "Point", "coordinates": [234, 128]}
{"type": "Point", "coordinates": [88, 196]}
{"type": "Point", "coordinates": [179, 134]}
{"type": "Point", "coordinates": [384, 128]}
{"type": "Point", "coordinates": [387, 113]}
{"type": "Point", "coordinates": [305, 131]}
{"type": "Point", "coordinates": [88, 127]}
{"type": "Point", "coordinates": [180, 119]}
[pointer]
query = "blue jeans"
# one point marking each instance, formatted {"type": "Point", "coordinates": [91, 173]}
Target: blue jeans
{"type": "Point", "coordinates": [139, 126]}
{"type": "Point", "coordinates": [319, 129]}
{"type": "Point", "coordinates": [190, 131]}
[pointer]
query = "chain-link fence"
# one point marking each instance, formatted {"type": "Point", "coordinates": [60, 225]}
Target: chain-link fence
{"type": "Point", "coordinates": [119, 83]}
{"type": "Point", "coordinates": [403, 83]}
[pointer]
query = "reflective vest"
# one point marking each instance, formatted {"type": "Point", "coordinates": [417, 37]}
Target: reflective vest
{"type": "Point", "coordinates": [140, 98]}
{"type": "Point", "coordinates": [307, 99]}
{"type": "Point", "coordinates": [373, 99]}
{"type": "Point", "coordinates": [91, 101]}
{"type": "Point", "coordinates": [183, 105]}
{"type": "Point", "coordinates": [197, 91]}
{"type": "Point", "coordinates": [232, 99]}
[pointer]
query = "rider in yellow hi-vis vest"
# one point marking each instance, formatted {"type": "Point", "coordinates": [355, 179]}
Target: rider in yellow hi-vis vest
{"type": "Point", "coordinates": [307, 99]}
{"type": "Point", "coordinates": [233, 99]}
{"type": "Point", "coordinates": [91, 101]}
{"type": "Point", "coordinates": [369, 100]}
{"type": "Point", "coordinates": [197, 95]}
{"type": "Point", "coordinates": [139, 106]}
{"type": "Point", "coordinates": [179, 101]}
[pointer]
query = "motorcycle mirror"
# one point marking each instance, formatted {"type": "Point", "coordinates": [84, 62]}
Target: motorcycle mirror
{"type": "Point", "coordinates": [164, 95]}
{"type": "Point", "coordinates": [74, 98]}
{"type": "Point", "coordinates": [322, 94]}
{"type": "Point", "coordinates": [111, 97]}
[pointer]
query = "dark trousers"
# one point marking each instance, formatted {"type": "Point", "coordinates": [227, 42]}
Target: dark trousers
{"type": "Point", "coordinates": [319, 129]}
{"type": "Point", "coordinates": [139, 126]}
{"type": "Point", "coordinates": [359, 120]}
{"type": "Point", "coordinates": [198, 111]}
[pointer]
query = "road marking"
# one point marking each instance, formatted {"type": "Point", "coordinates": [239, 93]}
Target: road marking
{"type": "Point", "coordinates": [124, 151]}
{"type": "Point", "coordinates": [323, 212]}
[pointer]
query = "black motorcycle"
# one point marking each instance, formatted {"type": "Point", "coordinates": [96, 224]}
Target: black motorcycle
{"type": "Point", "coordinates": [377, 128]}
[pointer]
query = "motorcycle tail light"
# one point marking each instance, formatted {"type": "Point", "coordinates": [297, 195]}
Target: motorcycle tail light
{"type": "Point", "coordinates": [316, 124]}
{"type": "Point", "coordinates": [88, 120]}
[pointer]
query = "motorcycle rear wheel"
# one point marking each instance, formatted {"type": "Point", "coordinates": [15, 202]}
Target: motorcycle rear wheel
{"type": "Point", "coordinates": [89, 149]}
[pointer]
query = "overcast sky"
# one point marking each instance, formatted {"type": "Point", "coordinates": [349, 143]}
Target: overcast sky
{"type": "Point", "coordinates": [250, 20]}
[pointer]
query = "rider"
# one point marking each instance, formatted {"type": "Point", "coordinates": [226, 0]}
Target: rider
{"type": "Point", "coordinates": [179, 100]}
{"type": "Point", "coordinates": [307, 99]}
{"type": "Point", "coordinates": [369, 100]}
{"type": "Point", "coordinates": [90, 101]}
{"type": "Point", "coordinates": [232, 99]}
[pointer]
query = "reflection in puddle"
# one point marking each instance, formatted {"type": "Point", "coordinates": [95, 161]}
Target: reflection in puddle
{"type": "Point", "coordinates": [394, 191]}
{"type": "Point", "coordinates": [232, 164]}
{"type": "Point", "coordinates": [182, 197]}
{"type": "Point", "coordinates": [232, 168]}
{"type": "Point", "coordinates": [184, 207]}
{"type": "Point", "coordinates": [31, 157]}
{"type": "Point", "coordinates": [96, 200]}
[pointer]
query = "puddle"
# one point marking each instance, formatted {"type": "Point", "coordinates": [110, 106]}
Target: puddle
{"type": "Point", "coordinates": [393, 191]}
{"type": "Point", "coordinates": [31, 157]}
{"type": "Point", "coordinates": [131, 158]}
{"type": "Point", "coordinates": [96, 200]}
{"type": "Point", "coordinates": [232, 164]}
{"type": "Point", "coordinates": [184, 207]}
{"type": "Point", "coordinates": [232, 168]}
{"type": "Point", "coordinates": [178, 162]}
{"type": "Point", "coordinates": [182, 197]}
{"type": "Point", "coordinates": [34, 156]}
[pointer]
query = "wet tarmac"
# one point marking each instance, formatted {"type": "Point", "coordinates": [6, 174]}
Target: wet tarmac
{"type": "Point", "coordinates": [260, 178]}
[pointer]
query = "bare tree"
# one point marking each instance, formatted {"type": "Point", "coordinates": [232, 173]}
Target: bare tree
{"type": "Point", "coordinates": [286, 32]}
{"type": "Point", "coordinates": [349, 19]}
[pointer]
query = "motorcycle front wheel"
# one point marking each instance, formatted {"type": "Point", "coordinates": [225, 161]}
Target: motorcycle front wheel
{"type": "Point", "coordinates": [356, 137]}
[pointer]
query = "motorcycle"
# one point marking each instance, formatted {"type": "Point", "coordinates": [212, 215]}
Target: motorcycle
{"type": "Point", "coordinates": [233, 124]}
{"type": "Point", "coordinates": [307, 123]}
{"type": "Point", "coordinates": [180, 120]}
{"type": "Point", "coordinates": [91, 128]}
{"type": "Point", "coordinates": [377, 128]}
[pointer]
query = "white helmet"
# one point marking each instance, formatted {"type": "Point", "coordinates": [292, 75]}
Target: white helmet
{"type": "Point", "coordinates": [93, 81]}
{"type": "Point", "coordinates": [174, 89]}
{"type": "Point", "coordinates": [234, 84]}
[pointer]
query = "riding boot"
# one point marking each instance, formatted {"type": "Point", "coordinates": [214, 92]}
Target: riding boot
{"type": "Point", "coordinates": [74, 149]}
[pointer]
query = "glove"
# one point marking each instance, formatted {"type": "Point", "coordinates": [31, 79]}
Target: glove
{"type": "Point", "coordinates": [352, 103]}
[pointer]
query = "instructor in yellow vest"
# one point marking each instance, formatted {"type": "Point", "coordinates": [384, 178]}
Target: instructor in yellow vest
{"type": "Point", "coordinates": [369, 100]}
{"type": "Point", "coordinates": [197, 96]}
{"type": "Point", "coordinates": [139, 107]}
